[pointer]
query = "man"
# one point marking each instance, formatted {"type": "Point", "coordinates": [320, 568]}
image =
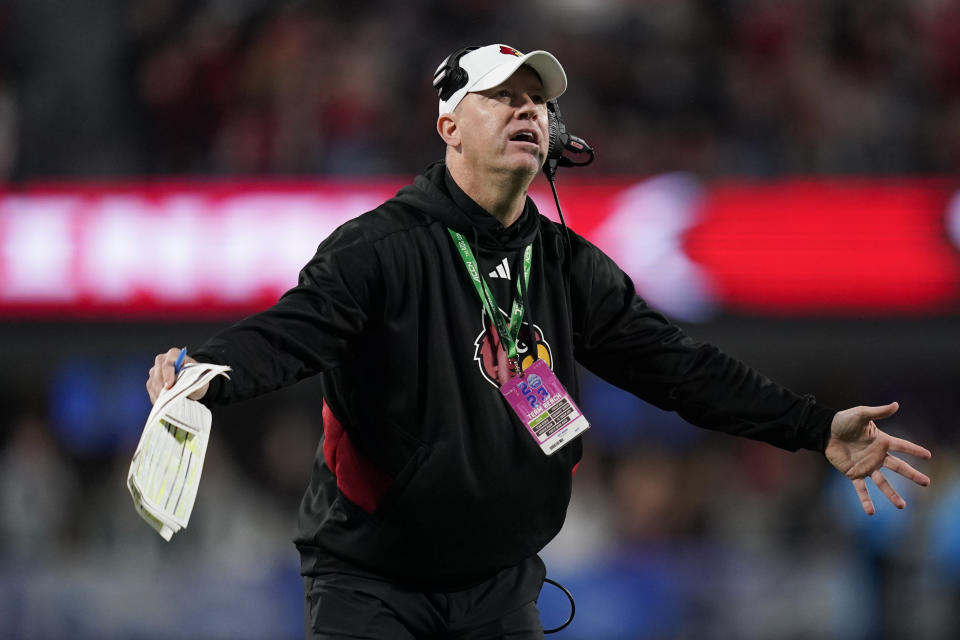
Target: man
{"type": "Point", "coordinates": [430, 497]}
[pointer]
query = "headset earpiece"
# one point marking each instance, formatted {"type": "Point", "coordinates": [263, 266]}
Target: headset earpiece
{"type": "Point", "coordinates": [450, 76]}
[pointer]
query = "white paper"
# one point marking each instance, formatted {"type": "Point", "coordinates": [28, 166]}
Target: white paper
{"type": "Point", "coordinates": [165, 471]}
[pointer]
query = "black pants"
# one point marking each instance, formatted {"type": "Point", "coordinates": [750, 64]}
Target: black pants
{"type": "Point", "coordinates": [357, 605]}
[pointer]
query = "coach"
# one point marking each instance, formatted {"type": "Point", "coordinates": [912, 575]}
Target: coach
{"type": "Point", "coordinates": [430, 321]}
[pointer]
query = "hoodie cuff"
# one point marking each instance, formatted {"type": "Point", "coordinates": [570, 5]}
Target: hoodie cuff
{"type": "Point", "coordinates": [814, 433]}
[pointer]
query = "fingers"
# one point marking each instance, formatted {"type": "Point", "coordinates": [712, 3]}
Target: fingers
{"type": "Point", "coordinates": [905, 446]}
{"type": "Point", "coordinates": [861, 486]}
{"type": "Point", "coordinates": [888, 490]}
{"type": "Point", "coordinates": [162, 374]}
{"type": "Point", "coordinates": [155, 379]}
{"type": "Point", "coordinates": [879, 413]}
{"type": "Point", "coordinates": [851, 424]}
{"type": "Point", "coordinates": [168, 371]}
{"type": "Point", "coordinates": [903, 468]}
{"type": "Point", "coordinates": [894, 464]}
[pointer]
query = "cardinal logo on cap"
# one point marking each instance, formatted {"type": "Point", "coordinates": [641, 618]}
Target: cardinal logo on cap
{"type": "Point", "coordinates": [509, 51]}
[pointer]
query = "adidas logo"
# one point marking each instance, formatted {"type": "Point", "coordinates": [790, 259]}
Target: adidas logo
{"type": "Point", "coordinates": [502, 270]}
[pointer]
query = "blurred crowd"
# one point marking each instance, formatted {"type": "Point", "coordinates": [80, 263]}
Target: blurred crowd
{"type": "Point", "coordinates": [673, 532]}
{"type": "Point", "coordinates": [214, 87]}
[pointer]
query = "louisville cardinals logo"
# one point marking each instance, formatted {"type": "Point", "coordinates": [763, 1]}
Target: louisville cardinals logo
{"type": "Point", "coordinates": [491, 355]}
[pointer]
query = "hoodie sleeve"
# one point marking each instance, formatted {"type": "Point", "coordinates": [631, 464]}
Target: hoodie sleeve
{"type": "Point", "coordinates": [621, 339]}
{"type": "Point", "coordinates": [308, 330]}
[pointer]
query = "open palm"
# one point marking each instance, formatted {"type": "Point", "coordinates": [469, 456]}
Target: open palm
{"type": "Point", "coordinates": [859, 449]}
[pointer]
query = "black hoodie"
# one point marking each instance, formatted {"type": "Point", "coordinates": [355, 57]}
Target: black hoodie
{"type": "Point", "coordinates": [424, 474]}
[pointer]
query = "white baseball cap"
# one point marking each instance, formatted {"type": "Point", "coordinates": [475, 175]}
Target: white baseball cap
{"type": "Point", "coordinates": [488, 66]}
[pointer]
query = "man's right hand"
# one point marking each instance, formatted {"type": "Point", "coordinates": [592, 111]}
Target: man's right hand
{"type": "Point", "coordinates": [163, 375]}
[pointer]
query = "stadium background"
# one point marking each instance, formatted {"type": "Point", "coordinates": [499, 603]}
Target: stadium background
{"type": "Point", "coordinates": [833, 125]}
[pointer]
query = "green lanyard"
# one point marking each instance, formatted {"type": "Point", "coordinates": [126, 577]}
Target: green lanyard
{"type": "Point", "coordinates": [508, 334]}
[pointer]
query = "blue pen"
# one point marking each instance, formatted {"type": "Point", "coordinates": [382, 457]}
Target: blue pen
{"type": "Point", "coordinates": [179, 362]}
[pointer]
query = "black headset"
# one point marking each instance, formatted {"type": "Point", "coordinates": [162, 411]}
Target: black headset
{"type": "Point", "coordinates": [451, 77]}
{"type": "Point", "coordinates": [561, 140]}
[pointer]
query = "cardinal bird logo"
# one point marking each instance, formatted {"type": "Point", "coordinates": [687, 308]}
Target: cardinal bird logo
{"type": "Point", "coordinates": [509, 51]}
{"type": "Point", "coordinates": [491, 355]}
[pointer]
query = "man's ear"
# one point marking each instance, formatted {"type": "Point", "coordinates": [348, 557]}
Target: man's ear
{"type": "Point", "coordinates": [448, 129]}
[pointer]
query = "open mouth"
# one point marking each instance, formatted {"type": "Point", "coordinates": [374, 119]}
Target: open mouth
{"type": "Point", "coordinates": [524, 136]}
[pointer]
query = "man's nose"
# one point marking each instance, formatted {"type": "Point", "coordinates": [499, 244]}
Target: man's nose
{"type": "Point", "coordinates": [527, 109]}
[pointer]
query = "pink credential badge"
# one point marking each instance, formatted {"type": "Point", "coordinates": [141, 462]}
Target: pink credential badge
{"type": "Point", "coordinates": [544, 407]}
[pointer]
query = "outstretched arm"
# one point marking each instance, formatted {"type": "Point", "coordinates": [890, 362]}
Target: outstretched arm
{"type": "Point", "coordinates": [858, 449]}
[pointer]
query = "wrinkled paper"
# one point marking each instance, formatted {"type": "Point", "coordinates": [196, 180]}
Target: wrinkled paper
{"type": "Point", "coordinates": [165, 470]}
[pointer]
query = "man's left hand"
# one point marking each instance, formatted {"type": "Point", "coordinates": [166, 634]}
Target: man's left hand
{"type": "Point", "coordinates": [859, 450]}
